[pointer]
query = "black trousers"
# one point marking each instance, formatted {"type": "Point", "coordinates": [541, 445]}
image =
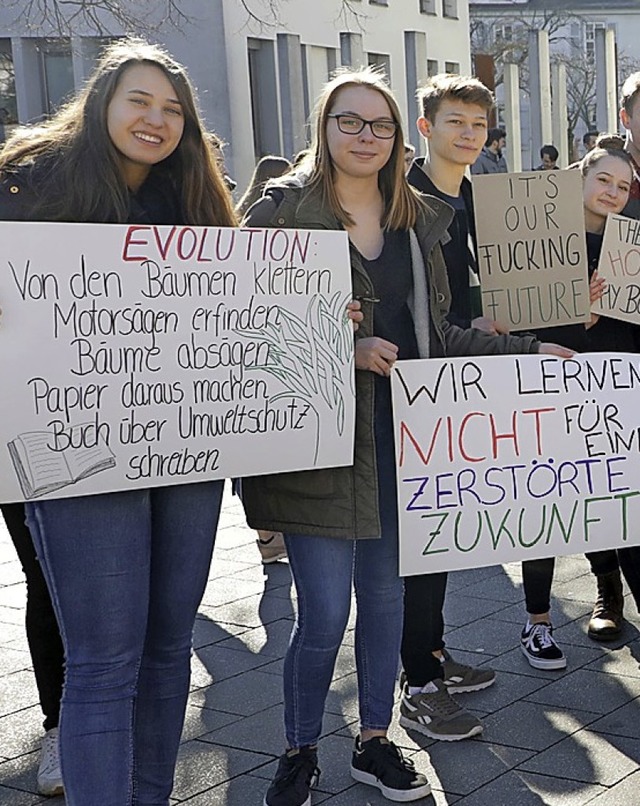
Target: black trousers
{"type": "Point", "coordinates": [43, 635]}
{"type": "Point", "coordinates": [423, 628]}
{"type": "Point", "coordinates": [537, 576]}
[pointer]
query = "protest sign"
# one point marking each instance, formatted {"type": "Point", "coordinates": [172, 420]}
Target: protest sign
{"type": "Point", "coordinates": [531, 248]}
{"type": "Point", "coordinates": [139, 356]}
{"type": "Point", "coordinates": [620, 266]}
{"type": "Point", "coordinates": [507, 458]}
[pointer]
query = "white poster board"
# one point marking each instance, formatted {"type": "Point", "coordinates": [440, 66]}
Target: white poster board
{"type": "Point", "coordinates": [619, 264]}
{"type": "Point", "coordinates": [509, 458]}
{"type": "Point", "coordinates": [138, 356]}
{"type": "Point", "coordinates": [531, 246]}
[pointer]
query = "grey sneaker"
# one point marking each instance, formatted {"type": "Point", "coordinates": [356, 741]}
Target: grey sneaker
{"type": "Point", "coordinates": [271, 546]}
{"type": "Point", "coordinates": [437, 715]}
{"type": "Point", "coordinates": [49, 775]}
{"type": "Point", "coordinates": [459, 678]}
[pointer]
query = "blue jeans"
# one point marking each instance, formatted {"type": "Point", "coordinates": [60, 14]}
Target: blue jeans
{"type": "Point", "coordinates": [324, 569]}
{"type": "Point", "coordinates": [126, 572]}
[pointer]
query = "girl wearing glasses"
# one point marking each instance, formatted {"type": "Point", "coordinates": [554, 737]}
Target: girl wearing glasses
{"type": "Point", "coordinates": [340, 524]}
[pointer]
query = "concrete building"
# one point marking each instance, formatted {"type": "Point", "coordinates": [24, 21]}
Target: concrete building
{"type": "Point", "coordinates": [496, 23]}
{"type": "Point", "coordinates": [257, 81]}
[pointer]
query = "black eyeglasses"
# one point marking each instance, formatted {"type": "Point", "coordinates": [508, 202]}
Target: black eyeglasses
{"type": "Point", "coordinates": [352, 124]}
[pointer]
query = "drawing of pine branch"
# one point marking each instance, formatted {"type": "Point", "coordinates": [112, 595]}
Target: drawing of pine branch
{"type": "Point", "coordinates": [312, 358]}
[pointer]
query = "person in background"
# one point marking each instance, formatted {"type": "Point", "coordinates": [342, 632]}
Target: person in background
{"type": "Point", "coordinates": [4, 120]}
{"type": "Point", "coordinates": [126, 570]}
{"type": "Point", "coordinates": [549, 156]}
{"type": "Point", "coordinates": [270, 544]}
{"type": "Point", "coordinates": [217, 145]}
{"type": "Point", "coordinates": [409, 154]}
{"type": "Point", "coordinates": [589, 140]}
{"type": "Point", "coordinates": [266, 169]}
{"type": "Point", "coordinates": [45, 643]}
{"type": "Point", "coordinates": [491, 159]}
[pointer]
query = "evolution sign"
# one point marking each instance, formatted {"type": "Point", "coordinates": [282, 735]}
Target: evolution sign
{"type": "Point", "coordinates": [515, 457]}
{"type": "Point", "coordinates": [532, 248]}
{"type": "Point", "coordinates": [138, 356]}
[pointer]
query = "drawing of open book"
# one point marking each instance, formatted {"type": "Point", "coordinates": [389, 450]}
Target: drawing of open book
{"type": "Point", "coordinates": [41, 470]}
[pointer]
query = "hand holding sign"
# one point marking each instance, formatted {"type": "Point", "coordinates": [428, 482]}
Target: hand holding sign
{"type": "Point", "coordinates": [376, 355]}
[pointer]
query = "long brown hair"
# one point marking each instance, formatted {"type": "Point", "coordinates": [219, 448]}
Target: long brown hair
{"type": "Point", "coordinates": [79, 177]}
{"type": "Point", "coordinates": [401, 202]}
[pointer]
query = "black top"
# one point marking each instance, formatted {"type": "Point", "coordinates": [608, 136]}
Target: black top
{"type": "Point", "coordinates": [391, 276]}
{"type": "Point", "coordinates": [608, 335]}
{"type": "Point", "coordinates": [392, 279]}
{"type": "Point", "coordinates": [156, 202]}
{"type": "Point", "coordinates": [459, 252]}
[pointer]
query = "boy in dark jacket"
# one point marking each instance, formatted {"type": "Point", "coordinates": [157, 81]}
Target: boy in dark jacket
{"type": "Point", "coordinates": [454, 124]}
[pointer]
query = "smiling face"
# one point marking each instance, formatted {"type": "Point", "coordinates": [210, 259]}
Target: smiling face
{"type": "Point", "coordinates": [144, 120]}
{"type": "Point", "coordinates": [457, 133]}
{"type": "Point", "coordinates": [359, 156]}
{"type": "Point", "coordinates": [605, 190]}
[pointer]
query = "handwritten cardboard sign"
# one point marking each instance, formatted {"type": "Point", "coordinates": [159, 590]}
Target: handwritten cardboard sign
{"type": "Point", "coordinates": [515, 457]}
{"type": "Point", "coordinates": [531, 248]}
{"type": "Point", "coordinates": [138, 356]}
{"type": "Point", "coordinates": [620, 266]}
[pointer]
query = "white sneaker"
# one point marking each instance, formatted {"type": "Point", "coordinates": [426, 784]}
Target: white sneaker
{"type": "Point", "coordinates": [49, 775]}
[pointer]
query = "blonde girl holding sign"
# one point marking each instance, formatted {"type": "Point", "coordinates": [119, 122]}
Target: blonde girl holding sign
{"type": "Point", "coordinates": [340, 524]}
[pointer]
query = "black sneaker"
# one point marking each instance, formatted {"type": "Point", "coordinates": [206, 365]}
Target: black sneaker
{"type": "Point", "coordinates": [539, 647]}
{"type": "Point", "coordinates": [380, 763]}
{"type": "Point", "coordinates": [297, 772]}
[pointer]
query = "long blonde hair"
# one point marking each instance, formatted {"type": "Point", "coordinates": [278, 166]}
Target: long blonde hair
{"type": "Point", "coordinates": [401, 202]}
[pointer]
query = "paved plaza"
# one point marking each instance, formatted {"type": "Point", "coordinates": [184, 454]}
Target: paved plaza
{"type": "Point", "coordinates": [559, 738]}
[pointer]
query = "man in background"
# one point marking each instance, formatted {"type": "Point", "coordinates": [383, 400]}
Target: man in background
{"type": "Point", "coordinates": [491, 159]}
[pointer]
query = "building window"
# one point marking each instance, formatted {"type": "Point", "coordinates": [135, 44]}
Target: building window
{"type": "Point", "coordinates": [432, 67]}
{"type": "Point", "coordinates": [382, 61]}
{"type": "Point", "coordinates": [428, 7]}
{"type": "Point", "coordinates": [8, 106]}
{"type": "Point", "coordinates": [265, 115]}
{"type": "Point", "coordinates": [503, 33]}
{"type": "Point", "coordinates": [452, 67]}
{"type": "Point", "coordinates": [56, 67]}
{"type": "Point", "coordinates": [378, 2]}
{"type": "Point", "coordinates": [590, 29]}
{"type": "Point", "coordinates": [450, 8]}
{"type": "Point", "coordinates": [318, 64]}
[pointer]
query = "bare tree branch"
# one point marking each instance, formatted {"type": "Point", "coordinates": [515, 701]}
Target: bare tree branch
{"type": "Point", "coordinates": [268, 16]}
{"type": "Point", "coordinates": [349, 13]}
{"type": "Point", "coordinates": [99, 17]}
{"type": "Point", "coordinates": [581, 78]}
{"type": "Point", "coordinates": [105, 17]}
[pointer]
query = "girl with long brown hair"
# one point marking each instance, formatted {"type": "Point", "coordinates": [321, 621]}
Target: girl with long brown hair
{"type": "Point", "coordinates": [126, 570]}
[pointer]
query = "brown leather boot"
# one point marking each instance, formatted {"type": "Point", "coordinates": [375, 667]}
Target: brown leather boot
{"type": "Point", "coordinates": [606, 620]}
